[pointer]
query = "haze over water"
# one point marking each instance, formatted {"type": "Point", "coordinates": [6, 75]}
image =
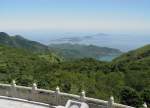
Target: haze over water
{"type": "Point", "coordinates": [124, 42]}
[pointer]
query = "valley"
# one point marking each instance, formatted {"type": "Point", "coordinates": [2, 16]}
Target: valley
{"type": "Point", "coordinates": [127, 77]}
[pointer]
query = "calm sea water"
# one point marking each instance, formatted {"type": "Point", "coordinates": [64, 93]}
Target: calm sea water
{"type": "Point", "coordinates": [108, 58]}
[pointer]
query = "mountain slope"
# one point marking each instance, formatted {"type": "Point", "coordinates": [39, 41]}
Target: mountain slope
{"type": "Point", "coordinates": [77, 51]}
{"type": "Point", "coordinates": [23, 65]}
{"type": "Point", "coordinates": [136, 67]}
{"type": "Point", "coordinates": [137, 59]}
{"type": "Point", "coordinates": [99, 79]}
{"type": "Point", "coordinates": [67, 51]}
{"type": "Point", "coordinates": [20, 42]}
{"type": "Point", "coordinates": [134, 55]}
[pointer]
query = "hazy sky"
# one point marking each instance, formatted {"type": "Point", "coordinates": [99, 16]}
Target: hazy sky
{"type": "Point", "coordinates": [76, 15]}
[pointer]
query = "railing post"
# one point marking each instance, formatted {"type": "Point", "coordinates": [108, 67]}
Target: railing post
{"type": "Point", "coordinates": [111, 102]}
{"type": "Point", "coordinates": [57, 95]}
{"type": "Point", "coordinates": [34, 88]}
{"type": "Point", "coordinates": [145, 105]}
{"type": "Point", "coordinates": [13, 89]}
{"type": "Point", "coordinates": [82, 97]}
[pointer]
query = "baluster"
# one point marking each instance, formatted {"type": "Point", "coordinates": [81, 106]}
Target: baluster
{"type": "Point", "coordinates": [111, 102]}
{"type": "Point", "coordinates": [145, 105]}
{"type": "Point", "coordinates": [34, 91]}
{"type": "Point", "coordinates": [13, 89]}
{"type": "Point", "coordinates": [57, 95]}
{"type": "Point", "coordinates": [82, 97]}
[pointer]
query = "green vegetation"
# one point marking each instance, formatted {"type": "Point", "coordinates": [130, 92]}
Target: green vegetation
{"type": "Point", "coordinates": [127, 77]}
{"type": "Point", "coordinates": [130, 97]}
{"type": "Point", "coordinates": [67, 51]}
{"type": "Point", "coordinates": [20, 42]}
{"type": "Point", "coordinates": [79, 51]}
{"type": "Point", "coordinates": [22, 65]}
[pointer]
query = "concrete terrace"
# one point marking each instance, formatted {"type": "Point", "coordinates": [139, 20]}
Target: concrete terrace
{"type": "Point", "coordinates": [8, 102]}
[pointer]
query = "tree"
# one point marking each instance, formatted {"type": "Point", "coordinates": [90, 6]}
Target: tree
{"type": "Point", "coordinates": [146, 96]}
{"type": "Point", "coordinates": [130, 97]}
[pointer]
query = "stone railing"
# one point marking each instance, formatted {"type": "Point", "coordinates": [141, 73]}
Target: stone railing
{"type": "Point", "coordinates": [54, 98]}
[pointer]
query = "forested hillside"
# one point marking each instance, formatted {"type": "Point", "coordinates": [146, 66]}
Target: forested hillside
{"type": "Point", "coordinates": [127, 78]}
{"type": "Point", "coordinates": [67, 51]}
{"type": "Point", "coordinates": [72, 76]}
{"type": "Point", "coordinates": [23, 65]}
{"type": "Point", "coordinates": [20, 42]}
{"type": "Point", "coordinates": [136, 66]}
{"type": "Point", "coordinates": [78, 51]}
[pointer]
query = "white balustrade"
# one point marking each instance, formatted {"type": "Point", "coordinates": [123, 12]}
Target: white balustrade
{"type": "Point", "coordinates": [56, 97]}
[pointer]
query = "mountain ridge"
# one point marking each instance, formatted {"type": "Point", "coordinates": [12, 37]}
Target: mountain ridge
{"type": "Point", "coordinates": [68, 51]}
{"type": "Point", "coordinates": [77, 51]}
{"type": "Point", "coordinates": [18, 41]}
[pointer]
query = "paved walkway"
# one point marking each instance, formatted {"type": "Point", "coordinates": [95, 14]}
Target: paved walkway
{"type": "Point", "coordinates": [12, 103]}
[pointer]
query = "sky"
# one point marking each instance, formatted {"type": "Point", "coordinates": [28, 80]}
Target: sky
{"type": "Point", "coordinates": [129, 16]}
